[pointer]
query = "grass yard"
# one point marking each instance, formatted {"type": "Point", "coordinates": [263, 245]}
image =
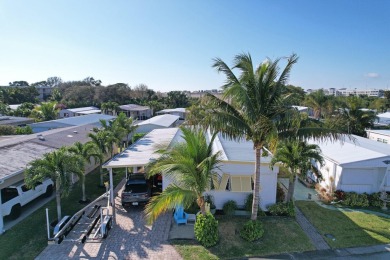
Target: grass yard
{"type": "Point", "coordinates": [28, 238]}
{"type": "Point", "coordinates": [350, 229]}
{"type": "Point", "coordinates": [280, 235]}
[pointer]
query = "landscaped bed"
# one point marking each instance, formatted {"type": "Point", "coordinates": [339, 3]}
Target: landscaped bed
{"type": "Point", "coordinates": [28, 238]}
{"type": "Point", "coordinates": [281, 234]}
{"type": "Point", "coordinates": [349, 229]}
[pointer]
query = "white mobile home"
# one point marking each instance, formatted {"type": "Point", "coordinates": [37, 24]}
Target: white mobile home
{"type": "Point", "coordinates": [356, 165]}
{"type": "Point", "coordinates": [157, 122]}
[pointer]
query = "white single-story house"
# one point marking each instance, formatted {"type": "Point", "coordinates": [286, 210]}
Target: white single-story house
{"type": "Point", "coordinates": [236, 169]}
{"type": "Point", "coordinates": [92, 119]}
{"type": "Point", "coordinates": [357, 165]}
{"type": "Point", "coordinates": [157, 122]}
{"type": "Point", "coordinates": [302, 109]}
{"type": "Point", "coordinates": [70, 112]}
{"type": "Point", "coordinates": [382, 136]}
{"type": "Point", "coordinates": [136, 111]}
{"type": "Point", "coordinates": [181, 112]}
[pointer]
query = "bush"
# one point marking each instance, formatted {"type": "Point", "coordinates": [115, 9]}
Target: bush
{"type": "Point", "coordinates": [282, 209]}
{"type": "Point", "coordinates": [229, 207]}
{"type": "Point", "coordinates": [24, 130]}
{"type": "Point", "coordinates": [374, 200]}
{"type": "Point", "coordinates": [248, 205]}
{"type": "Point", "coordinates": [280, 194]}
{"type": "Point", "coordinates": [354, 199]}
{"type": "Point", "coordinates": [206, 230]}
{"type": "Point", "coordinates": [193, 208]}
{"type": "Point", "coordinates": [137, 136]}
{"type": "Point", "coordinates": [252, 230]}
{"type": "Point", "coordinates": [339, 194]}
{"type": "Point", "coordinates": [7, 130]}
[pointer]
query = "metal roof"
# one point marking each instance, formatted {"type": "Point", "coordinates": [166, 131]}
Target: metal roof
{"type": "Point", "coordinates": [170, 110]}
{"type": "Point", "coordinates": [144, 150]}
{"type": "Point", "coordinates": [76, 120]}
{"type": "Point", "coordinates": [166, 120]}
{"type": "Point", "coordinates": [133, 107]}
{"type": "Point", "coordinates": [92, 111]}
{"type": "Point", "coordinates": [79, 109]}
{"type": "Point", "coordinates": [361, 152]}
{"type": "Point", "coordinates": [14, 120]}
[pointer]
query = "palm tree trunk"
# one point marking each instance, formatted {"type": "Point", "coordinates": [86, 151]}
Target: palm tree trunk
{"type": "Point", "coordinates": [58, 200]}
{"type": "Point", "coordinates": [101, 176]}
{"type": "Point", "coordinates": [83, 189]}
{"type": "Point", "coordinates": [201, 205]}
{"type": "Point", "coordinates": [291, 186]}
{"type": "Point", "coordinates": [256, 189]}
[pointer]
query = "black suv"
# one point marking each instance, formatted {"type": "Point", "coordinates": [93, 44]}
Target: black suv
{"type": "Point", "coordinates": [136, 191]}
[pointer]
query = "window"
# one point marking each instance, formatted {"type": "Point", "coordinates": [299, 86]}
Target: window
{"type": "Point", "coordinates": [241, 183]}
{"type": "Point", "coordinates": [385, 141]}
{"type": "Point", "coordinates": [8, 194]}
{"type": "Point", "coordinates": [379, 139]}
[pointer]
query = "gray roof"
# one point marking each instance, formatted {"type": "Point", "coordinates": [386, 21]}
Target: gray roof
{"type": "Point", "coordinates": [14, 120]}
{"type": "Point", "coordinates": [170, 110]}
{"type": "Point", "coordinates": [16, 153]}
{"type": "Point", "coordinates": [133, 107]}
{"type": "Point", "coordinates": [76, 120]}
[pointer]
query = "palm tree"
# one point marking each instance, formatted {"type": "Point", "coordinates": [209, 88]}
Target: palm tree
{"type": "Point", "coordinates": [99, 139]}
{"type": "Point", "coordinates": [297, 156]}
{"type": "Point", "coordinates": [114, 133]}
{"type": "Point", "coordinates": [254, 108]}
{"type": "Point", "coordinates": [318, 101]}
{"type": "Point", "coordinates": [109, 107]}
{"type": "Point", "coordinates": [88, 152]}
{"type": "Point", "coordinates": [190, 165]}
{"type": "Point", "coordinates": [46, 111]}
{"type": "Point", "coordinates": [58, 165]}
{"type": "Point", "coordinates": [125, 124]}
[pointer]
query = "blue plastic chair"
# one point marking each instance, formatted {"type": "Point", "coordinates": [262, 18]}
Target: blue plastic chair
{"type": "Point", "coordinates": [180, 216]}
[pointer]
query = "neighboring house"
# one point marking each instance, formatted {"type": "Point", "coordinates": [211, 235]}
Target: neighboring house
{"type": "Point", "coordinates": [157, 122]}
{"type": "Point", "coordinates": [14, 107]}
{"type": "Point", "coordinates": [306, 110]}
{"type": "Point", "coordinates": [382, 136]}
{"type": "Point", "coordinates": [93, 119]}
{"type": "Point", "coordinates": [181, 112]}
{"type": "Point", "coordinates": [70, 112]}
{"type": "Point", "coordinates": [383, 119]}
{"type": "Point", "coordinates": [17, 152]}
{"type": "Point", "coordinates": [15, 120]}
{"type": "Point", "coordinates": [236, 169]}
{"type": "Point", "coordinates": [136, 111]}
{"type": "Point", "coordinates": [356, 165]}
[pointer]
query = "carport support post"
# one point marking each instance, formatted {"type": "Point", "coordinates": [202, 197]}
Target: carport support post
{"type": "Point", "coordinates": [1, 217]}
{"type": "Point", "coordinates": [112, 195]}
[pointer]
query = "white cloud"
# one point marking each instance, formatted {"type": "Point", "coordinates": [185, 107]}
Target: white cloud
{"type": "Point", "coordinates": [372, 75]}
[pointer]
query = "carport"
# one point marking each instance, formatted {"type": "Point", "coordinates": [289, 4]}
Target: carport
{"type": "Point", "coordinates": [141, 153]}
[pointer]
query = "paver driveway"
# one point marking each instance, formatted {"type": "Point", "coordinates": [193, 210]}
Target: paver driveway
{"type": "Point", "coordinates": [130, 238]}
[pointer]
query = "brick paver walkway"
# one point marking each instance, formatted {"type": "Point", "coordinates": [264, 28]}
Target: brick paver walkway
{"type": "Point", "coordinates": [315, 238]}
{"type": "Point", "coordinates": [130, 238]}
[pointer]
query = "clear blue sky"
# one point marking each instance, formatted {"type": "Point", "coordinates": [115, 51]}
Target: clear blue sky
{"type": "Point", "coordinates": [169, 45]}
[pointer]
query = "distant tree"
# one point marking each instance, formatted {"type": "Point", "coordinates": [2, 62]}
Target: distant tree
{"type": "Point", "coordinates": [317, 101]}
{"type": "Point", "coordinates": [109, 108]}
{"type": "Point", "coordinates": [78, 96]}
{"type": "Point", "coordinates": [20, 83]}
{"type": "Point", "coordinates": [46, 111]}
{"type": "Point", "coordinates": [155, 106]}
{"type": "Point", "coordinates": [126, 124]}
{"type": "Point", "coordinates": [24, 110]}
{"type": "Point", "coordinates": [54, 81]}
{"type": "Point", "coordinates": [177, 99]}
{"type": "Point", "coordinates": [56, 95]}
{"type": "Point", "coordinates": [93, 82]}
{"type": "Point", "coordinates": [39, 83]}
{"type": "Point", "coordinates": [118, 93]}
{"type": "Point", "coordinates": [140, 92]}
{"type": "Point", "coordinates": [4, 108]}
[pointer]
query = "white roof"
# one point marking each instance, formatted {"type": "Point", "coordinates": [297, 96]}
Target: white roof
{"type": "Point", "coordinates": [92, 111]}
{"type": "Point", "coordinates": [300, 108]}
{"type": "Point", "coordinates": [385, 115]}
{"type": "Point", "coordinates": [170, 110]}
{"type": "Point", "coordinates": [144, 150]}
{"type": "Point", "coordinates": [134, 107]}
{"type": "Point", "coordinates": [79, 109]}
{"type": "Point", "coordinates": [361, 153]}
{"type": "Point", "coordinates": [381, 132]}
{"type": "Point", "coordinates": [166, 120]}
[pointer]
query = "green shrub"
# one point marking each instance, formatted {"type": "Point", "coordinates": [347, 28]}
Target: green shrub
{"type": "Point", "coordinates": [137, 136]}
{"type": "Point", "coordinates": [24, 130]}
{"type": "Point", "coordinates": [193, 208]}
{"type": "Point", "coordinates": [248, 205]}
{"type": "Point", "coordinates": [252, 230]}
{"type": "Point", "coordinates": [229, 207]}
{"type": "Point", "coordinates": [7, 130]}
{"type": "Point", "coordinates": [374, 200]}
{"type": "Point", "coordinates": [206, 230]}
{"type": "Point", "coordinates": [282, 209]}
{"type": "Point", "coordinates": [354, 199]}
{"type": "Point", "coordinates": [280, 194]}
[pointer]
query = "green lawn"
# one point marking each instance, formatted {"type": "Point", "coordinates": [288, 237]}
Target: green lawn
{"type": "Point", "coordinates": [281, 235]}
{"type": "Point", "coordinates": [28, 238]}
{"type": "Point", "coordinates": [350, 229]}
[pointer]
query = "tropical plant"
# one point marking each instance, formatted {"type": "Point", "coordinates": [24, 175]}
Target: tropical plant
{"type": "Point", "coordinates": [46, 111]}
{"type": "Point", "coordinates": [110, 108]}
{"type": "Point", "coordinates": [206, 230]}
{"type": "Point", "coordinates": [125, 124]}
{"type": "Point", "coordinates": [297, 156]}
{"type": "Point", "coordinates": [88, 152]}
{"type": "Point", "coordinates": [319, 102]}
{"type": "Point", "coordinates": [254, 108]}
{"type": "Point", "coordinates": [252, 230]}
{"type": "Point", "coordinates": [114, 134]}
{"type": "Point", "coordinates": [58, 165]}
{"type": "Point", "coordinates": [229, 207]}
{"type": "Point", "coordinates": [100, 140]}
{"type": "Point", "coordinates": [190, 165]}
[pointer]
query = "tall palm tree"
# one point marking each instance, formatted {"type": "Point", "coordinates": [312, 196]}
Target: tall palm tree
{"type": "Point", "coordinates": [58, 165]}
{"type": "Point", "coordinates": [124, 123]}
{"type": "Point", "coordinates": [319, 102]}
{"type": "Point", "coordinates": [253, 107]}
{"type": "Point", "coordinates": [99, 139]}
{"type": "Point", "coordinates": [297, 156]}
{"type": "Point", "coordinates": [191, 166]}
{"type": "Point", "coordinates": [88, 152]}
{"type": "Point", "coordinates": [114, 133]}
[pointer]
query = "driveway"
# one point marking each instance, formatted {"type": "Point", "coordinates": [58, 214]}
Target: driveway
{"type": "Point", "coordinates": [130, 238]}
